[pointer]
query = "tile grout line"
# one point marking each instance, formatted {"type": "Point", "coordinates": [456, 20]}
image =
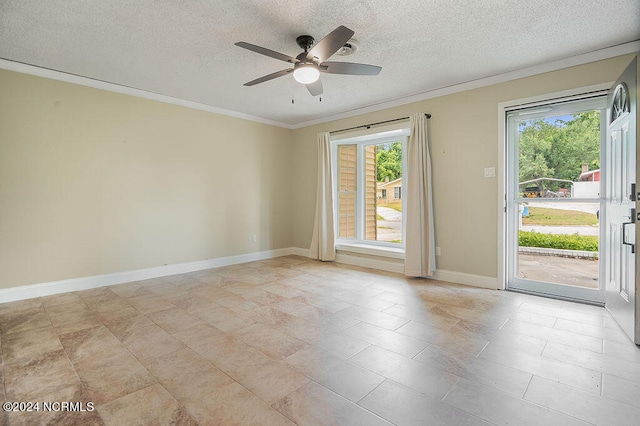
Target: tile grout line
{"type": "Point", "coordinates": [528, 385]}
{"type": "Point", "coordinates": [355, 403]}
{"type": "Point", "coordinates": [73, 366]}
{"type": "Point", "coordinates": [462, 409]}
{"type": "Point", "coordinates": [450, 389]}
{"type": "Point", "coordinates": [554, 410]}
{"type": "Point", "coordinates": [368, 393]}
{"type": "Point", "coordinates": [422, 351]}
{"type": "Point", "coordinates": [591, 368]}
{"type": "Point", "coordinates": [483, 348]}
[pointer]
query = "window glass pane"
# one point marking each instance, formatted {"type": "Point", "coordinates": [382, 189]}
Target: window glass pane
{"type": "Point", "coordinates": [347, 191]}
{"type": "Point", "coordinates": [347, 216]}
{"type": "Point", "coordinates": [384, 179]}
{"type": "Point", "coordinates": [370, 225]}
{"type": "Point", "coordinates": [559, 156]}
{"type": "Point", "coordinates": [558, 161]}
{"type": "Point", "coordinates": [347, 167]}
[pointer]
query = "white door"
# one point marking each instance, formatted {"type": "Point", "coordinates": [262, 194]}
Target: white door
{"type": "Point", "coordinates": [620, 215]}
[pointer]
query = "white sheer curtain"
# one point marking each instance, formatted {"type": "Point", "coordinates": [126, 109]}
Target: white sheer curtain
{"type": "Point", "coordinates": [323, 239]}
{"type": "Point", "coordinates": [420, 257]}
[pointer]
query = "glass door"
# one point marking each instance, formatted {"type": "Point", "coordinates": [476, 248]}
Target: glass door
{"type": "Point", "coordinates": [554, 199]}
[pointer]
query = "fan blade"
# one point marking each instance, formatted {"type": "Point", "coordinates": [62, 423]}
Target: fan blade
{"type": "Point", "coordinates": [349, 68]}
{"type": "Point", "coordinates": [315, 88]}
{"type": "Point", "coordinates": [269, 77]}
{"type": "Point", "coordinates": [267, 52]}
{"type": "Point", "coordinates": [330, 44]}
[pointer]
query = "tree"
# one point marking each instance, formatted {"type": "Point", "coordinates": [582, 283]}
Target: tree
{"type": "Point", "coordinates": [558, 149]}
{"type": "Point", "coordinates": [580, 143]}
{"type": "Point", "coordinates": [536, 141]}
{"type": "Point", "coordinates": [389, 161]}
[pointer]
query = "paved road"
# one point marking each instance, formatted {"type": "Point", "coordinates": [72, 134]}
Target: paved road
{"type": "Point", "coordinates": [578, 207]}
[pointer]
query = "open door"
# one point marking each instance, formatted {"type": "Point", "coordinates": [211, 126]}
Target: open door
{"type": "Point", "coordinates": [620, 209]}
{"type": "Point", "coordinates": [553, 199]}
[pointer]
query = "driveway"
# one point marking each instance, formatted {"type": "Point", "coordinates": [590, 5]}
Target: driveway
{"type": "Point", "coordinates": [389, 213]}
{"type": "Point", "coordinates": [558, 270]}
{"type": "Point", "coordinates": [389, 229]}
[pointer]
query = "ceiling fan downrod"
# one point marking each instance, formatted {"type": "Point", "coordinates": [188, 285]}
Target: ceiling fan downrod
{"type": "Point", "coordinates": [305, 42]}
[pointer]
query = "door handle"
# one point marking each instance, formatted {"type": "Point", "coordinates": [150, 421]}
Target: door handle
{"type": "Point", "coordinates": [624, 231]}
{"type": "Point", "coordinates": [624, 237]}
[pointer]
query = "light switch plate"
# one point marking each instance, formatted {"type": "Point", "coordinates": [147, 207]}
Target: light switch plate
{"type": "Point", "coordinates": [489, 172]}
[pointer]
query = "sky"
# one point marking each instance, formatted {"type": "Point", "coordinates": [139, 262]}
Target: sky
{"type": "Point", "coordinates": [552, 120]}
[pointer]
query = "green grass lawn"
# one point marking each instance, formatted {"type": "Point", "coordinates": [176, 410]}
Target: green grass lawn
{"type": "Point", "coordinates": [555, 217]}
{"type": "Point", "coordinates": [396, 206]}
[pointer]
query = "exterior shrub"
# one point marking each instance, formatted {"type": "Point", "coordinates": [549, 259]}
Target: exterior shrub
{"type": "Point", "coordinates": [556, 241]}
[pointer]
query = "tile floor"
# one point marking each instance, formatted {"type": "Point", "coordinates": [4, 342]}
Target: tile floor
{"type": "Point", "coordinates": [294, 341]}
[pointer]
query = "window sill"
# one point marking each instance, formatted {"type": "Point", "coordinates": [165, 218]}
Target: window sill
{"type": "Point", "coordinates": [371, 250]}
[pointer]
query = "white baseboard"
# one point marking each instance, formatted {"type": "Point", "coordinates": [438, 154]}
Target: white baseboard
{"type": "Point", "coordinates": [367, 262]}
{"type": "Point", "coordinates": [300, 251]}
{"type": "Point", "coordinates": [398, 267]}
{"type": "Point", "coordinates": [84, 283]}
{"type": "Point", "coordinates": [467, 279]}
{"type": "Point", "coordinates": [76, 284]}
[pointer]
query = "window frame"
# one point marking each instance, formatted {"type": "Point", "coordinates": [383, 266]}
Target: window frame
{"type": "Point", "coordinates": [398, 135]}
{"type": "Point", "coordinates": [397, 195]}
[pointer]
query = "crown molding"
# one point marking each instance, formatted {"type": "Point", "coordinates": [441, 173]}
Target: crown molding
{"type": "Point", "coordinates": [126, 90]}
{"type": "Point", "coordinates": [585, 58]}
{"type": "Point", "coordinates": [581, 59]}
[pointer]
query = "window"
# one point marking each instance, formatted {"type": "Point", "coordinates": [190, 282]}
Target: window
{"type": "Point", "coordinates": [365, 168]}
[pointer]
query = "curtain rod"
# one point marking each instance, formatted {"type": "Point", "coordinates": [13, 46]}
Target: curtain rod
{"type": "Point", "coordinates": [367, 126]}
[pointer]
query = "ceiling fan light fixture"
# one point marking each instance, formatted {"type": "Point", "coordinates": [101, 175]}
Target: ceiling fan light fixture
{"type": "Point", "coordinates": [308, 65]}
{"type": "Point", "coordinates": [306, 73]}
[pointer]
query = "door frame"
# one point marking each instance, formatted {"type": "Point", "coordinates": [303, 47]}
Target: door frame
{"type": "Point", "coordinates": [503, 108]}
{"type": "Point", "coordinates": [560, 107]}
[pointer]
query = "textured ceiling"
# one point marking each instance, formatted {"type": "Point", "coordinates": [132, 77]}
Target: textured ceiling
{"type": "Point", "coordinates": [185, 49]}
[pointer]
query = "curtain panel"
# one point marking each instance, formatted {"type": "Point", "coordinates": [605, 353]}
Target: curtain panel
{"type": "Point", "coordinates": [323, 239]}
{"type": "Point", "coordinates": [420, 258]}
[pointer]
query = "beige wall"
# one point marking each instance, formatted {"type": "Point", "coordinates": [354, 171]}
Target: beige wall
{"type": "Point", "coordinates": [93, 182]}
{"type": "Point", "coordinates": [464, 140]}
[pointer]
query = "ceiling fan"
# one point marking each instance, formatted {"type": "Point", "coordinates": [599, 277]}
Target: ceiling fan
{"type": "Point", "coordinates": [308, 65]}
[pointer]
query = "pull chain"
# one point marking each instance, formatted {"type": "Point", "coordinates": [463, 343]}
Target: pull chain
{"type": "Point", "coordinates": [292, 93]}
